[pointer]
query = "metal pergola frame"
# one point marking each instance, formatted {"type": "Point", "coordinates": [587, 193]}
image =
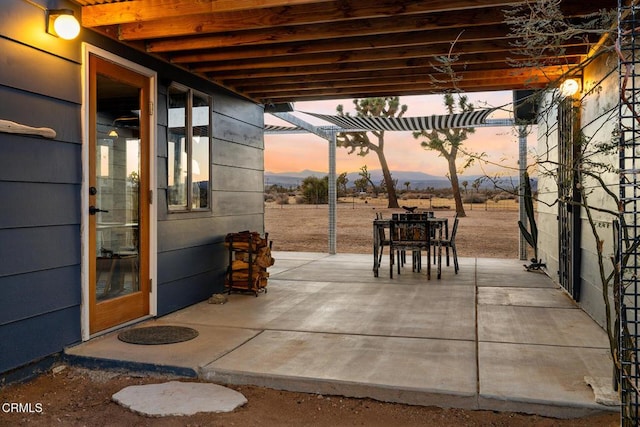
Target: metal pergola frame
{"type": "Point", "coordinates": [329, 133]}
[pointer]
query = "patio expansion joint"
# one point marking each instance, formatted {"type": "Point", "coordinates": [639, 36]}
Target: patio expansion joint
{"type": "Point", "coordinates": [231, 350]}
{"type": "Point", "coordinates": [275, 275]}
{"type": "Point", "coordinates": [352, 334]}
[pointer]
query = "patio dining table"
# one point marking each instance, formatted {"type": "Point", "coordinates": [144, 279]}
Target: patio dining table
{"type": "Point", "coordinates": [383, 230]}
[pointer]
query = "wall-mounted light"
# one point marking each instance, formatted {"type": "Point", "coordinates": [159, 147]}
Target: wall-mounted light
{"type": "Point", "coordinates": [62, 23]}
{"type": "Point", "coordinates": [114, 126]}
{"type": "Point", "coordinates": [569, 87]}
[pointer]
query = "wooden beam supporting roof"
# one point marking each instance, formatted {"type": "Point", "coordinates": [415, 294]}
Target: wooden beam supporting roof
{"type": "Point", "coordinates": [289, 50]}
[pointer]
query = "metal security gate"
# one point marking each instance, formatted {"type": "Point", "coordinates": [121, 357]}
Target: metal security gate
{"type": "Point", "coordinates": [568, 199]}
{"type": "Point", "coordinates": [628, 292]}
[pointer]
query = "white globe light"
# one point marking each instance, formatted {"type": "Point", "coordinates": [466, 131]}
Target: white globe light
{"type": "Point", "coordinates": [569, 87]}
{"type": "Point", "coordinates": [67, 27]}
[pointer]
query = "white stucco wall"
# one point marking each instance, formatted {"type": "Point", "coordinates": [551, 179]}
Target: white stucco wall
{"type": "Point", "coordinates": [598, 120]}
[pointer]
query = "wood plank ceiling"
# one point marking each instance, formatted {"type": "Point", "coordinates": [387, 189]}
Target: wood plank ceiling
{"type": "Point", "coordinates": [277, 51]}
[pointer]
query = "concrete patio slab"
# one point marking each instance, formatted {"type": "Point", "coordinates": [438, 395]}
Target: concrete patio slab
{"type": "Point", "coordinates": [351, 308]}
{"type": "Point", "coordinates": [540, 378]}
{"type": "Point", "coordinates": [512, 278]}
{"type": "Point", "coordinates": [409, 370]}
{"type": "Point", "coordinates": [539, 325]}
{"type": "Point", "coordinates": [328, 326]}
{"type": "Point", "coordinates": [211, 343]}
{"type": "Point", "coordinates": [532, 297]}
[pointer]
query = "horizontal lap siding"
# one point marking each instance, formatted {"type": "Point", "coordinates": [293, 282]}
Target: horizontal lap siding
{"type": "Point", "coordinates": [40, 183]}
{"type": "Point", "coordinates": [37, 337]}
{"type": "Point", "coordinates": [192, 259]}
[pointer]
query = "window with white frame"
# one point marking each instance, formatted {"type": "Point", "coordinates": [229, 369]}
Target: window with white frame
{"type": "Point", "coordinates": [188, 140]}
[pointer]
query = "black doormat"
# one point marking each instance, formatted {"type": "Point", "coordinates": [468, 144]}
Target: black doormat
{"type": "Point", "coordinates": [155, 335]}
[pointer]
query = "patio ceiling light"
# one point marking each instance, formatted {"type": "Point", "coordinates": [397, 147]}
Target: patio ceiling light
{"type": "Point", "coordinates": [62, 23]}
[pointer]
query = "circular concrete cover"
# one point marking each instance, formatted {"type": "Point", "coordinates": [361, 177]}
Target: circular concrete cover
{"type": "Point", "coordinates": [179, 398]}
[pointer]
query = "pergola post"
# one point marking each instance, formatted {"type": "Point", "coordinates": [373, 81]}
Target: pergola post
{"type": "Point", "coordinates": [330, 137]}
{"type": "Point", "coordinates": [333, 194]}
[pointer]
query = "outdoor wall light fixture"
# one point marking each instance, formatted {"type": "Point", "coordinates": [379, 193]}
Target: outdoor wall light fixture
{"type": "Point", "coordinates": [62, 23]}
{"type": "Point", "coordinates": [114, 128]}
{"type": "Point", "coordinates": [569, 87]}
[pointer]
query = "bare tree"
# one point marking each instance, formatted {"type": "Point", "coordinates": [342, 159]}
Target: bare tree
{"type": "Point", "coordinates": [375, 107]}
{"type": "Point", "coordinates": [447, 142]}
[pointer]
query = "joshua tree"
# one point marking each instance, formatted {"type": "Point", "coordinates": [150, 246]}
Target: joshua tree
{"type": "Point", "coordinates": [376, 107]}
{"type": "Point", "coordinates": [447, 142]}
{"type": "Point", "coordinates": [366, 177]}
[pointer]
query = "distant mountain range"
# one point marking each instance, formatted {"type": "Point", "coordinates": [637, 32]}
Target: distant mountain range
{"type": "Point", "coordinates": [418, 180]}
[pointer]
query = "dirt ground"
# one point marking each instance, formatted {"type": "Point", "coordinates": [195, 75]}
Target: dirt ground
{"type": "Point", "coordinates": [489, 231]}
{"type": "Point", "coordinates": [73, 396]}
{"type": "Point", "coordinates": [80, 397]}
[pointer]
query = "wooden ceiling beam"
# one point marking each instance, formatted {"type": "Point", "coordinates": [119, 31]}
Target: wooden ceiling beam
{"type": "Point", "coordinates": [148, 10]}
{"type": "Point", "coordinates": [404, 85]}
{"type": "Point", "coordinates": [304, 33]}
{"type": "Point", "coordinates": [466, 52]}
{"type": "Point", "coordinates": [176, 25]}
{"type": "Point", "coordinates": [371, 80]}
{"type": "Point", "coordinates": [433, 61]}
{"type": "Point", "coordinates": [418, 38]}
{"type": "Point", "coordinates": [324, 49]}
{"type": "Point", "coordinates": [393, 91]}
{"type": "Point", "coordinates": [339, 69]}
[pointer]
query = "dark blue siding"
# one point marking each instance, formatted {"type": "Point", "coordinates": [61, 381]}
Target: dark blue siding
{"type": "Point", "coordinates": [40, 183]}
{"type": "Point", "coordinates": [192, 259]}
{"type": "Point", "coordinates": [181, 293]}
{"type": "Point", "coordinates": [31, 159]}
{"type": "Point", "coordinates": [35, 110]}
{"type": "Point", "coordinates": [37, 337]}
{"type": "Point", "coordinates": [200, 261]}
{"type": "Point", "coordinates": [56, 288]}
{"type": "Point", "coordinates": [40, 188]}
{"type": "Point", "coordinates": [28, 204]}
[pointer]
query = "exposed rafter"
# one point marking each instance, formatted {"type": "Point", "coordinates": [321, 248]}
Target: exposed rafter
{"type": "Point", "coordinates": [288, 50]}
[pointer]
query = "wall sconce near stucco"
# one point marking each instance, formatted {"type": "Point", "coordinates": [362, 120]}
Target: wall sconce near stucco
{"type": "Point", "coordinates": [62, 23]}
{"type": "Point", "coordinates": [569, 87]}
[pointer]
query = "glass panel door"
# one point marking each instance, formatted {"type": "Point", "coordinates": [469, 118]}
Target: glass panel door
{"type": "Point", "coordinates": [118, 204]}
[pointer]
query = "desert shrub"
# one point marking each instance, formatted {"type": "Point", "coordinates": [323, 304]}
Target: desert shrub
{"type": "Point", "coordinates": [300, 200]}
{"type": "Point", "coordinates": [474, 198]}
{"type": "Point", "coordinates": [282, 199]}
{"type": "Point", "coordinates": [503, 196]}
{"type": "Point", "coordinates": [269, 198]}
{"type": "Point", "coordinates": [315, 190]}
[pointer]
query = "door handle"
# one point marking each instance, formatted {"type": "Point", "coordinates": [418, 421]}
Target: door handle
{"type": "Point", "coordinates": [93, 210]}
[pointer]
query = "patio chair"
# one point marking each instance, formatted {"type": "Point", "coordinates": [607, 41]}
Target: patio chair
{"type": "Point", "coordinates": [381, 241]}
{"type": "Point", "coordinates": [408, 235]}
{"type": "Point", "coordinates": [449, 242]}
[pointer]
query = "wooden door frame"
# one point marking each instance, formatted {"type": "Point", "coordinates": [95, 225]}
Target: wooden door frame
{"type": "Point", "coordinates": [152, 186]}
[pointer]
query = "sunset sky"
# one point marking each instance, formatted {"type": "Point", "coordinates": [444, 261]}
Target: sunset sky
{"type": "Point", "coordinates": [294, 153]}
